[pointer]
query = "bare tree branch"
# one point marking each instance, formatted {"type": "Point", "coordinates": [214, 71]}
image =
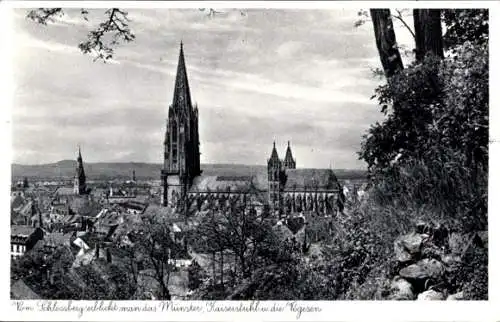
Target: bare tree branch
{"type": "Point", "coordinates": [100, 41]}
{"type": "Point", "coordinates": [117, 26]}
{"type": "Point", "coordinates": [44, 15]}
{"type": "Point", "coordinates": [399, 16]}
{"type": "Point", "coordinates": [365, 16]}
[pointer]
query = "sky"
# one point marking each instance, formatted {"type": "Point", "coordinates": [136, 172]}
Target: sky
{"type": "Point", "coordinates": [257, 75]}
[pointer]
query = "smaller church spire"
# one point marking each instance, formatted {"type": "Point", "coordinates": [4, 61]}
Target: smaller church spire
{"type": "Point", "coordinates": [289, 162]}
{"type": "Point", "coordinates": [274, 159]}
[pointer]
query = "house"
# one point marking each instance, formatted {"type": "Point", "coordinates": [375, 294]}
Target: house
{"type": "Point", "coordinates": [16, 201]}
{"type": "Point", "coordinates": [56, 239]}
{"type": "Point", "coordinates": [82, 245]}
{"type": "Point", "coordinates": [135, 207]}
{"type": "Point", "coordinates": [20, 291]}
{"type": "Point", "coordinates": [23, 238]}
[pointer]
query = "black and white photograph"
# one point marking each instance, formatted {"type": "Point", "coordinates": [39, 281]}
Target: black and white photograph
{"type": "Point", "coordinates": [249, 154]}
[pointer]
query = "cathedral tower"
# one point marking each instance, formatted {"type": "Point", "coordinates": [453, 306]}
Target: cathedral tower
{"type": "Point", "coordinates": [79, 187]}
{"type": "Point", "coordinates": [273, 178]}
{"type": "Point", "coordinates": [289, 162]}
{"type": "Point", "coordinates": [181, 145]}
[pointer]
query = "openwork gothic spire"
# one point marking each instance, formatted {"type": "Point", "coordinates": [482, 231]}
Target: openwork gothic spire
{"type": "Point", "coordinates": [182, 95]}
{"type": "Point", "coordinates": [80, 187]}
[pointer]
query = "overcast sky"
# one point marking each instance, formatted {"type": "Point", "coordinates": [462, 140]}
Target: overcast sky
{"type": "Point", "coordinates": [298, 75]}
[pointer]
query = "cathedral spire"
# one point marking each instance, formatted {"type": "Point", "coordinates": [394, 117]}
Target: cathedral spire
{"type": "Point", "coordinates": [274, 159]}
{"type": "Point", "coordinates": [289, 162]}
{"type": "Point", "coordinates": [80, 186]}
{"type": "Point", "coordinates": [181, 162]}
{"type": "Point", "coordinates": [182, 96]}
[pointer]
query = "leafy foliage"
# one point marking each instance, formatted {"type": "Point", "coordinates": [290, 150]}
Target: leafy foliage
{"type": "Point", "coordinates": [433, 146]}
{"type": "Point", "coordinates": [428, 159]}
{"type": "Point", "coordinates": [44, 15]}
{"type": "Point", "coordinates": [116, 25]}
{"type": "Point", "coordinates": [102, 40]}
{"type": "Point", "coordinates": [465, 25]}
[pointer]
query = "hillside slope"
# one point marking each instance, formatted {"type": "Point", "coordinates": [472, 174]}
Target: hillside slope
{"type": "Point", "coordinates": [103, 170]}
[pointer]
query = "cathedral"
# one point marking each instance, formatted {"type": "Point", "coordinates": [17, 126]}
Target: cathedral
{"type": "Point", "coordinates": [282, 188]}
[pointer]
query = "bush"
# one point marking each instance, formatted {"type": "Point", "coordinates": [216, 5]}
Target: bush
{"type": "Point", "coordinates": [428, 160]}
{"type": "Point", "coordinates": [432, 149]}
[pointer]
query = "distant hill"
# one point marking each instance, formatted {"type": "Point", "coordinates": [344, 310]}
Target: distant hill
{"type": "Point", "coordinates": [65, 169]}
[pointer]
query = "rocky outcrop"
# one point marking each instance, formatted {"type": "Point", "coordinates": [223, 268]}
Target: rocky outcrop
{"type": "Point", "coordinates": [408, 246]}
{"type": "Point", "coordinates": [401, 289]}
{"type": "Point", "coordinates": [423, 270]}
{"type": "Point", "coordinates": [427, 257]}
{"type": "Point", "coordinates": [431, 295]}
{"type": "Point", "coordinates": [456, 297]}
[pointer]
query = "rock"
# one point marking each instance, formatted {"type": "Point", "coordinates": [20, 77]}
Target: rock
{"type": "Point", "coordinates": [401, 254]}
{"type": "Point", "coordinates": [451, 260]}
{"type": "Point", "coordinates": [429, 250]}
{"type": "Point", "coordinates": [413, 242]}
{"type": "Point", "coordinates": [424, 269]}
{"type": "Point", "coordinates": [456, 297]}
{"type": "Point", "coordinates": [430, 295]}
{"type": "Point", "coordinates": [401, 289]}
{"type": "Point", "coordinates": [406, 246]}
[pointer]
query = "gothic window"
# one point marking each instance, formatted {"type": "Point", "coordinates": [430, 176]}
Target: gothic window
{"type": "Point", "coordinates": [174, 131]}
{"type": "Point", "coordinates": [174, 154]}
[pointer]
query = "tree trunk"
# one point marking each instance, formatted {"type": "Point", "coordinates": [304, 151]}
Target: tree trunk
{"type": "Point", "coordinates": [165, 292]}
{"type": "Point", "coordinates": [244, 269]}
{"type": "Point", "coordinates": [428, 33]}
{"type": "Point", "coordinates": [222, 269]}
{"type": "Point", "coordinates": [213, 267]}
{"type": "Point", "coordinates": [235, 264]}
{"type": "Point", "coordinates": [386, 41]}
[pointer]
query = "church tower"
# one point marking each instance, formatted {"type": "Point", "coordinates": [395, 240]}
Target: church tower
{"type": "Point", "coordinates": [289, 162]}
{"type": "Point", "coordinates": [79, 187]}
{"type": "Point", "coordinates": [181, 162]}
{"type": "Point", "coordinates": [273, 178]}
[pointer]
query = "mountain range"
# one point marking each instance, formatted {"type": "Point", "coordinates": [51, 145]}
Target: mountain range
{"type": "Point", "coordinates": [65, 169]}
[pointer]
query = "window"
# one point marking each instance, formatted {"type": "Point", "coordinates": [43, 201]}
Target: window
{"type": "Point", "coordinates": [174, 154]}
{"type": "Point", "coordinates": [174, 132]}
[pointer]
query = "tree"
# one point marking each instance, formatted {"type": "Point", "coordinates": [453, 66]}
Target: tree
{"type": "Point", "coordinates": [154, 246]}
{"type": "Point", "coordinates": [101, 41]}
{"type": "Point", "coordinates": [386, 41]}
{"type": "Point", "coordinates": [195, 274]}
{"type": "Point", "coordinates": [464, 25]}
{"type": "Point", "coordinates": [112, 31]}
{"type": "Point", "coordinates": [428, 33]}
{"type": "Point", "coordinates": [432, 147]}
{"type": "Point", "coordinates": [45, 272]}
